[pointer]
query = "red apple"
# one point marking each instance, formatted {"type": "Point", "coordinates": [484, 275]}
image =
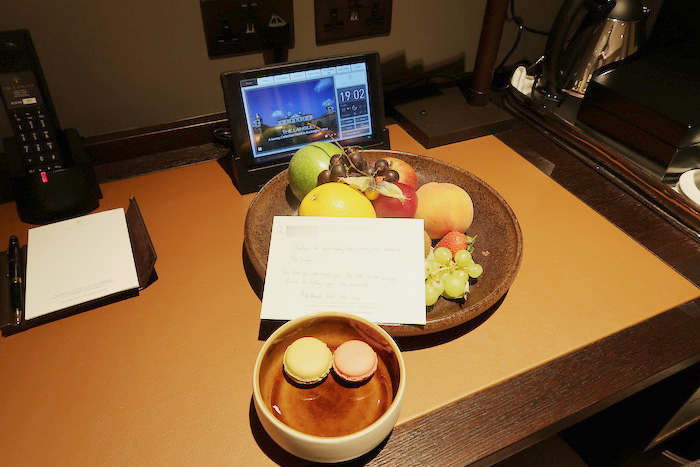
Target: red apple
{"type": "Point", "coordinates": [386, 206]}
{"type": "Point", "coordinates": [406, 173]}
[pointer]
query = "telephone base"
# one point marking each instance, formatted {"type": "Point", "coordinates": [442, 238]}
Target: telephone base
{"type": "Point", "coordinates": [55, 195]}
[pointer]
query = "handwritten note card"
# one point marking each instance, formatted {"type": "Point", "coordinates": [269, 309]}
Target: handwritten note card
{"type": "Point", "coordinates": [372, 268]}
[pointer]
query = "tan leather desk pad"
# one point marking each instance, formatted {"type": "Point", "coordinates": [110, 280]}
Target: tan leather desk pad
{"type": "Point", "coordinates": [165, 378]}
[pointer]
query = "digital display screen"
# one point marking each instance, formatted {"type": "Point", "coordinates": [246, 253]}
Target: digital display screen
{"type": "Point", "coordinates": [287, 111]}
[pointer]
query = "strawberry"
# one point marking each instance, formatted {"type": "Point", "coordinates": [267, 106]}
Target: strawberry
{"type": "Point", "coordinates": [454, 241]}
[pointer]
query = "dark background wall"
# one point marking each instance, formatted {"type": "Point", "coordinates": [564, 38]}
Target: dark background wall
{"type": "Point", "coordinates": [133, 63]}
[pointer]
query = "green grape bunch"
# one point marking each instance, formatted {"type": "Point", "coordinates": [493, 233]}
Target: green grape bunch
{"type": "Point", "coordinates": [447, 276]}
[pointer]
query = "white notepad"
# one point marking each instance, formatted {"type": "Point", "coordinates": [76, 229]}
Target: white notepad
{"type": "Point", "coordinates": [78, 260]}
{"type": "Point", "coordinates": [373, 268]}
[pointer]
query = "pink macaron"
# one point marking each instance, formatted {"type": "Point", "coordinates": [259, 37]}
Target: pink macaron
{"type": "Point", "coordinates": [354, 361]}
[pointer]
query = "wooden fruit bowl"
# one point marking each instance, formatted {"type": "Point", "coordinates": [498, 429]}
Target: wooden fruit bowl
{"type": "Point", "coordinates": [498, 248]}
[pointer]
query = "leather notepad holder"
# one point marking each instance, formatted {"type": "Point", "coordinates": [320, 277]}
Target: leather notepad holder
{"type": "Point", "coordinates": [144, 259]}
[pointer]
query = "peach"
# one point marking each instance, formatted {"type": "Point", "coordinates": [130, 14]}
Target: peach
{"type": "Point", "coordinates": [444, 207]}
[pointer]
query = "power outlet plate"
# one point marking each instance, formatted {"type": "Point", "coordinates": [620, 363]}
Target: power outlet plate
{"type": "Point", "coordinates": [344, 20]}
{"type": "Point", "coordinates": [237, 27]}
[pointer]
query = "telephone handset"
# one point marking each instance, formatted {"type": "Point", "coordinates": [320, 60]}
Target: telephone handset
{"type": "Point", "coordinates": [33, 125]}
{"type": "Point", "coordinates": [51, 174]}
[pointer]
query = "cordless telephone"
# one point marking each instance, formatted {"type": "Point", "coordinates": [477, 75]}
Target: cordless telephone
{"type": "Point", "coordinates": [50, 172]}
{"type": "Point", "coordinates": [32, 124]}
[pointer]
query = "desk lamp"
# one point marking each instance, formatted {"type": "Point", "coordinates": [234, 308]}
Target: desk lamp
{"type": "Point", "coordinates": [453, 115]}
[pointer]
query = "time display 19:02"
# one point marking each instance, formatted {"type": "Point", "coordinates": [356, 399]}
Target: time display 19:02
{"type": "Point", "coordinates": [356, 94]}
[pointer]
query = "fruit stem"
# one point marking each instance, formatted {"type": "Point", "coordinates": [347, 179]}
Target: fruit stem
{"type": "Point", "coordinates": [344, 149]}
{"type": "Point", "coordinates": [334, 140]}
{"type": "Point", "coordinates": [357, 168]}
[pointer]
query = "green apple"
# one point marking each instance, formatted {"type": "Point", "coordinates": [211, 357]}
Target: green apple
{"type": "Point", "coordinates": [307, 163]}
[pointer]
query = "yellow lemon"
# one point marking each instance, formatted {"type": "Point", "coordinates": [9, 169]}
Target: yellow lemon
{"type": "Point", "coordinates": [336, 199]}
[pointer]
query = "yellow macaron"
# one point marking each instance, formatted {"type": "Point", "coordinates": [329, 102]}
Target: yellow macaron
{"type": "Point", "coordinates": [307, 360]}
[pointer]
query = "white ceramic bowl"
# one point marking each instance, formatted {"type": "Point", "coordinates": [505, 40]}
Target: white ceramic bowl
{"type": "Point", "coordinates": [272, 389]}
{"type": "Point", "coordinates": [689, 185]}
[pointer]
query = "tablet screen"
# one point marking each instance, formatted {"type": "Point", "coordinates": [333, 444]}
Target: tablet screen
{"type": "Point", "coordinates": [285, 111]}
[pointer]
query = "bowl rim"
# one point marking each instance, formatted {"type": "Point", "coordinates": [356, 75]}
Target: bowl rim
{"type": "Point", "coordinates": [257, 395]}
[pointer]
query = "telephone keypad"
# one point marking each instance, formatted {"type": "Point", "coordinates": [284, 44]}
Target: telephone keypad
{"type": "Point", "coordinates": [36, 140]}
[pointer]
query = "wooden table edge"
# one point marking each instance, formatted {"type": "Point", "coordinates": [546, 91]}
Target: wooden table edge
{"type": "Point", "coordinates": [503, 419]}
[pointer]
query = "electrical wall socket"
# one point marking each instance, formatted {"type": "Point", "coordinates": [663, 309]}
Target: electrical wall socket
{"type": "Point", "coordinates": [343, 20]}
{"type": "Point", "coordinates": [235, 27]}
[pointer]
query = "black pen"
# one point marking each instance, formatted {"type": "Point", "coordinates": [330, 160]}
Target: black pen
{"type": "Point", "coordinates": [15, 262]}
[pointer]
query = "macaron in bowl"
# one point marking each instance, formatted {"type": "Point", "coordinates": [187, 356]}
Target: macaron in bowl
{"type": "Point", "coordinates": [329, 421]}
{"type": "Point", "coordinates": [307, 360]}
{"type": "Point", "coordinates": [354, 361]}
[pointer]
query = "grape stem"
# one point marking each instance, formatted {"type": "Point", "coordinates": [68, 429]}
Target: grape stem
{"type": "Point", "coordinates": [322, 130]}
{"type": "Point", "coordinates": [436, 274]}
{"type": "Point", "coordinates": [345, 150]}
{"type": "Point", "coordinates": [354, 166]}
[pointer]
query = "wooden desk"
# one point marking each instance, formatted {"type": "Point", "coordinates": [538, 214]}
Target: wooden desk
{"type": "Point", "coordinates": [165, 378]}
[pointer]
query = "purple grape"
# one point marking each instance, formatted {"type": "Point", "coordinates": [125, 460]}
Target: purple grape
{"type": "Point", "coordinates": [392, 176]}
{"type": "Point", "coordinates": [356, 159]}
{"type": "Point", "coordinates": [324, 177]}
{"type": "Point", "coordinates": [381, 165]}
{"type": "Point", "coordinates": [337, 171]}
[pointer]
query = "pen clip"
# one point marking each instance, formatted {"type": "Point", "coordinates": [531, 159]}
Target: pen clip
{"type": "Point", "coordinates": [14, 263]}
